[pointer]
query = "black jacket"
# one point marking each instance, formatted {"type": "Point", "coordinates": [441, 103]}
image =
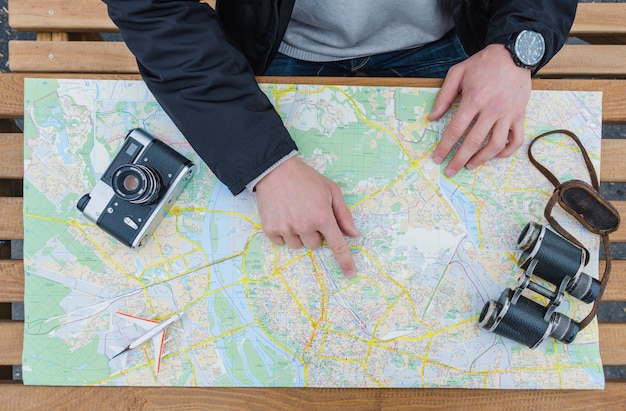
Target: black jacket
{"type": "Point", "coordinates": [208, 87]}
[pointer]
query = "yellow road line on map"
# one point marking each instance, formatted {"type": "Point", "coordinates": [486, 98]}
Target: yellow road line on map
{"type": "Point", "coordinates": [192, 367]}
{"type": "Point", "coordinates": [424, 358]}
{"type": "Point", "coordinates": [245, 281]}
{"type": "Point", "coordinates": [435, 190]}
{"type": "Point", "coordinates": [414, 163]}
{"type": "Point", "coordinates": [147, 363]}
{"type": "Point", "coordinates": [160, 251]}
{"type": "Point", "coordinates": [479, 205]}
{"type": "Point", "coordinates": [388, 311]}
{"type": "Point", "coordinates": [165, 261]}
{"type": "Point", "coordinates": [324, 338]}
{"type": "Point", "coordinates": [382, 272]}
{"type": "Point", "coordinates": [318, 90]}
{"type": "Point", "coordinates": [296, 299]}
{"type": "Point", "coordinates": [212, 338]}
{"type": "Point", "coordinates": [511, 256]}
{"type": "Point", "coordinates": [177, 211]}
{"type": "Point", "coordinates": [383, 188]}
{"type": "Point", "coordinates": [557, 364]}
{"type": "Point", "coordinates": [79, 226]}
{"type": "Point", "coordinates": [324, 297]}
{"type": "Point", "coordinates": [390, 278]}
{"type": "Point", "coordinates": [369, 123]}
{"type": "Point", "coordinates": [362, 363]}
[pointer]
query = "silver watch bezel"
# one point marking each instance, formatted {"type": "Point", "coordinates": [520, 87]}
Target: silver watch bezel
{"type": "Point", "coordinates": [521, 54]}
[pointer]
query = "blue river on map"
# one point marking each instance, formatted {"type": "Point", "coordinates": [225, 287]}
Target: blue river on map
{"type": "Point", "coordinates": [465, 208]}
{"type": "Point", "coordinates": [223, 275]}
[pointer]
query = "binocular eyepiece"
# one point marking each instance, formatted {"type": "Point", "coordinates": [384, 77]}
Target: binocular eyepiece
{"type": "Point", "coordinates": [556, 260]}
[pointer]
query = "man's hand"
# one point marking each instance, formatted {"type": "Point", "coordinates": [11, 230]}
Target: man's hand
{"type": "Point", "coordinates": [300, 207]}
{"type": "Point", "coordinates": [494, 93]}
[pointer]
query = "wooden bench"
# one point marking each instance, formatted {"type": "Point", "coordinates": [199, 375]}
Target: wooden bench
{"type": "Point", "coordinates": [68, 44]}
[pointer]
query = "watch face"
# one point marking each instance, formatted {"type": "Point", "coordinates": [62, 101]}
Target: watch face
{"type": "Point", "coordinates": [529, 47]}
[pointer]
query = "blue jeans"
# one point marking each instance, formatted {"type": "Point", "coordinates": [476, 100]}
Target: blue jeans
{"type": "Point", "coordinates": [432, 60]}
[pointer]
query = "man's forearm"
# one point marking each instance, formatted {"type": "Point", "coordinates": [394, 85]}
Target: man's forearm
{"type": "Point", "coordinates": [553, 19]}
{"type": "Point", "coordinates": [204, 85]}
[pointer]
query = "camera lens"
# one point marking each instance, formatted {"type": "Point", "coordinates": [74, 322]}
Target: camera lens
{"type": "Point", "coordinates": [130, 183]}
{"type": "Point", "coordinates": [136, 183]}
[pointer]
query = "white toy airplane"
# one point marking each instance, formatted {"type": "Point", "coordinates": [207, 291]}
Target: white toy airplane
{"type": "Point", "coordinates": [155, 331]}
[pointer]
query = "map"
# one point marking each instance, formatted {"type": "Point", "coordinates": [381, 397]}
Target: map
{"type": "Point", "coordinates": [433, 251]}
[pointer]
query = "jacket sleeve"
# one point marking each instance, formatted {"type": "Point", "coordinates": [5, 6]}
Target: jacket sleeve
{"type": "Point", "coordinates": [552, 18]}
{"type": "Point", "coordinates": [204, 85]}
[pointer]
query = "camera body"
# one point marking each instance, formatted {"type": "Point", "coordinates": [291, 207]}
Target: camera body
{"type": "Point", "coordinates": [137, 189]}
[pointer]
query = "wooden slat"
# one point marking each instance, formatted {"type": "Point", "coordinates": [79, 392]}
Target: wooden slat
{"type": "Point", "coordinates": [37, 398]}
{"type": "Point", "coordinates": [11, 342]}
{"type": "Point", "coordinates": [613, 343]}
{"type": "Point", "coordinates": [11, 223]}
{"type": "Point", "coordinates": [600, 20]}
{"type": "Point", "coordinates": [613, 110]}
{"type": "Point", "coordinates": [61, 15]}
{"type": "Point", "coordinates": [114, 57]}
{"type": "Point", "coordinates": [53, 36]}
{"type": "Point", "coordinates": [71, 57]}
{"type": "Point", "coordinates": [12, 275]}
{"type": "Point", "coordinates": [11, 155]}
{"type": "Point", "coordinates": [620, 234]}
{"type": "Point", "coordinates": [613, 168]}
{"type": "Point", "coordinates": [25, 398]}
{"type": "Point", "coordinates": [616, 288]}
{"type": "Point", "coordinates": [587, 61]}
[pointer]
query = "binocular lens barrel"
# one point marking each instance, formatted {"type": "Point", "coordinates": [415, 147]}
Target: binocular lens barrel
{"type": "Point", "coordinates": [586, 288]}
{"type": "Point", "coordinates": [557, 258]}
{"type": "Point", "coordinates": [524, 321]}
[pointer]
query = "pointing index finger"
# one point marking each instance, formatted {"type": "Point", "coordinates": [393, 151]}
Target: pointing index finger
{"type": "Point", "coordinates": [340, 248]}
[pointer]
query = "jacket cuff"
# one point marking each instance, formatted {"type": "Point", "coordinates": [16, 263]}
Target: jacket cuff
{"type": "Point", "coordinates": [250, 186]}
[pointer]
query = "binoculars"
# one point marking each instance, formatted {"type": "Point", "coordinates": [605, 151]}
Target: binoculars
{"type": "Point", "coordinates": [558, 261]}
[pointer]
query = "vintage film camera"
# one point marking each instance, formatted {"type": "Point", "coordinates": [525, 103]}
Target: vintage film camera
{"type": "Point", "coordinates": [137, 189]}
{"type": "Point", "coordinates": [556, 260]}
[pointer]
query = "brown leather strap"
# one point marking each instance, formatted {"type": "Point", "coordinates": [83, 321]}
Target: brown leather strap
{"type": "Point", "coordinates": [555, 181]}
{"type": "Point", "coordinates": [557, 184]}
{"type": "Point", "coordinates": [555, 198]}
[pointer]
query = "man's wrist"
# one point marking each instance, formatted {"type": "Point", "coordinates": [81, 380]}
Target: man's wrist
{"type": "Point", "coordinates": [505, 56]}
{"type": "Point", "coordinates": [252, 184]}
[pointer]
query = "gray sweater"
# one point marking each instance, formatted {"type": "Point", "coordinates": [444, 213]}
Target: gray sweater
{"type": "Point", "coordinates": [326, 30]}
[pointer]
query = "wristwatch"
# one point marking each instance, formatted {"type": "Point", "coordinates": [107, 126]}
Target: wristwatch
{"type": "Point", "coordinates": [527, 48]}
